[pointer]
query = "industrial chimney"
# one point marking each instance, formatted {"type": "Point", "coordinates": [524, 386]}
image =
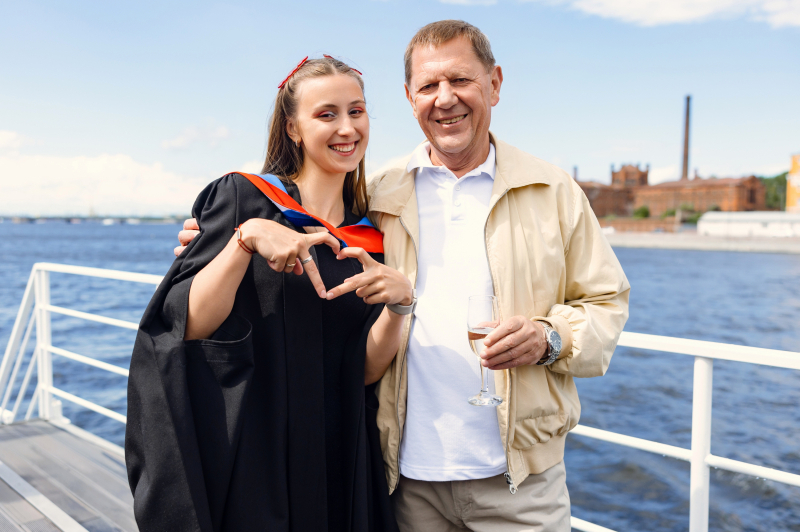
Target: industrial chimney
{"type": "Point", "coordinates": [685, 174]}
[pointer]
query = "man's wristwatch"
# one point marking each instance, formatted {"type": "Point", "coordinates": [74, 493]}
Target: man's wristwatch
{"type": "Point", "coordinates": [405, 309]}
{"type": "Point", "coordinates": [553, 346]}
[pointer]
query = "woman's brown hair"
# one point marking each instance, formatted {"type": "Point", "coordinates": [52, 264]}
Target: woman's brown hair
{"type": "Point", "coordinates": [284, 158]}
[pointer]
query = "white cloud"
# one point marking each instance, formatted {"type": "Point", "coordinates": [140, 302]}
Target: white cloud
{"type": "Point", "coordinates": [207, 134]}
{"type": "Point", "coordinates": [770, 170]}
{"type": "Point", "coordinates": [777, 13]}
{"type": "Point", "coordinates": [662, 174]}
{"type": "Point", "coordinates": [252, 167]}
{"type": "Point", "coordinates": [41, 185]}
{"type": "Point", "coordinates": [11, 141]}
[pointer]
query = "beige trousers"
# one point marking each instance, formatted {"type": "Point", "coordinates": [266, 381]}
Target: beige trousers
{"type": "Point", "coordinates": [541, 504]}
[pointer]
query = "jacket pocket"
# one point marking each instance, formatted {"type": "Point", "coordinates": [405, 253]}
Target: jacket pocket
{"type": "Point", "coordinates": [536, 395]}
{"type": "Point", "coordinates": [546, 405]}
{"type": "Point", "coordinates": [219, 372]}
{"type": "Point", "coordinates": [528, 432]}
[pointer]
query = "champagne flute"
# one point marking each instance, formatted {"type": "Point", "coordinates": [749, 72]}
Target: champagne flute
{"type": "Point", "coordinates": [483, 315]}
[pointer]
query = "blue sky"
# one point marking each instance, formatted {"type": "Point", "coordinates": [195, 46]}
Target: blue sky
{"type": "Point", "coordinates": [132, 107]}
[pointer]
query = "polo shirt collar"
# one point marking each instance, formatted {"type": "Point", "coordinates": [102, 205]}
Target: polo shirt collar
{"type": "Point", "coordinates": [421, 158]}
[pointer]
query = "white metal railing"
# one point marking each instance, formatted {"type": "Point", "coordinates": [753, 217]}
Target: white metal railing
{"type": "Point", "coordinates": [699, 455]}
{"type": "Point", "coordinates": [35, 311]}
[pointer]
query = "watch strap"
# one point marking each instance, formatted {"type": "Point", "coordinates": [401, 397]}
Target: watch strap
{"type": "Point", "coordinates": [404, 309]}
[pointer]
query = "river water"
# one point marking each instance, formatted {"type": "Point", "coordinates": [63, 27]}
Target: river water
{"type": "Point", "coordinates": [739, 298]}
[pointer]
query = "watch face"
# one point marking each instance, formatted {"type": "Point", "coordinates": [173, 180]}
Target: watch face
{"type": "Point", "coordinates": [555, 341]}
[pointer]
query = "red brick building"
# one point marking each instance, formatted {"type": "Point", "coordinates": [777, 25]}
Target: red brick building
{"type": "Point", "coordinates": [630, 190]}
{"type": "Point", "coordinates": [606, 199]}
{"type": "Point", "coordinates": [727, 194]}
{"type": "Point", "coordinates": [630, 176]}
{"type": "Point", "coordinates": [617, 198]}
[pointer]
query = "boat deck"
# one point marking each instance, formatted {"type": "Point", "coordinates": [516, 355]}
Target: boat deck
{"type": "Point", "coordinates": [57, 477]}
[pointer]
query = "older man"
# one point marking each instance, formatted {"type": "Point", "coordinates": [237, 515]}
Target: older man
{"type": "Point", "coordinates": [467, 214]}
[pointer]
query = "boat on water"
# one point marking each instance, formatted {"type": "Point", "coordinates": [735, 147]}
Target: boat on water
{"type": "Point", "coordinates": [56, 476]}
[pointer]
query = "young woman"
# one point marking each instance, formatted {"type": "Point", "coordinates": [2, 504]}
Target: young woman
{"type": "Point", "coordinates": [246, 397]}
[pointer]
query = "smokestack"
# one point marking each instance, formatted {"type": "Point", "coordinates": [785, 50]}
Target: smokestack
{"type": "Point", "coordinates": [575, 173]}
{"type": "Point", "coordinates": [685, 175]}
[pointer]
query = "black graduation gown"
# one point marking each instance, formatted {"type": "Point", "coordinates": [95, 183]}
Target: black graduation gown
{"type": "Point", "coordinates": [229, 433]}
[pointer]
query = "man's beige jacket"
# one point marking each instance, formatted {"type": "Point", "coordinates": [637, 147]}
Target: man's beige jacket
{"type": "Point", "coordinates": [549, 261]}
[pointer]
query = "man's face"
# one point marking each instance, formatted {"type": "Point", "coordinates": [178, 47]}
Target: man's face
{"type": "Point", "coordinates": [452, 96]}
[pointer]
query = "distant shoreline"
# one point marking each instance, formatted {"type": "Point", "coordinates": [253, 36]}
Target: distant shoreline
{"type": "Point", "coordinates": [685, 240]}
{"type": "Point", "coordinates": [693, 241]}
{"type": "Point", "coordinates": [103, 220]}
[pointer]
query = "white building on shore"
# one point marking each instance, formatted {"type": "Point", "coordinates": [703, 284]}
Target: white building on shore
{"type": "Point", "coordinates": [750, 224]}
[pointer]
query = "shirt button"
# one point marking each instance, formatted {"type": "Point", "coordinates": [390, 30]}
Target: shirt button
{"type": "Point", "coordinates": [457, 204]}
{"type": "Point", "coordinates": [458, 187]}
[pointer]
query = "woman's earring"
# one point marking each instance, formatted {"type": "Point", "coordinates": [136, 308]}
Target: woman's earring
{"type": "Point", "coordinates": [297, 143]}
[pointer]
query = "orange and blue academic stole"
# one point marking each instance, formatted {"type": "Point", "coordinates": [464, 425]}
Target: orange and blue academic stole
{"type": "Point", "coordinates": [361, 235]}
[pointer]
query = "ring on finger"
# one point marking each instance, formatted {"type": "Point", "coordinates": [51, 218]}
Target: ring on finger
{"type": "Point", "coordinates": [292, 265]}
{"type": "Point", "coordinates": [306, 260]}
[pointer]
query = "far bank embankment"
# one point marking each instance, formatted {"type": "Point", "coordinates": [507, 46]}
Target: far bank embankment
{"type": "Point", "coordinates": [693, 241]}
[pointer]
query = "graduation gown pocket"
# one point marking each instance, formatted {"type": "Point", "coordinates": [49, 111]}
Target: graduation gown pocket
{"type": "Point", "coordinates": [219, 372]}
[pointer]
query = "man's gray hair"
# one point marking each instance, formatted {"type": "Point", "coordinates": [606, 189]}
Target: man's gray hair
{"type": "Point", "coordinates": [436, 34]}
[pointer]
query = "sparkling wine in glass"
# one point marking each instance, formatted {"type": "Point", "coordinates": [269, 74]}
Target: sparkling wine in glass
{"type": "Point", "coordinates": [483, 315]}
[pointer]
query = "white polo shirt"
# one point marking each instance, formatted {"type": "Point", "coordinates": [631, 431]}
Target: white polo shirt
{"type": "Point", "coordinates": [445, 438]}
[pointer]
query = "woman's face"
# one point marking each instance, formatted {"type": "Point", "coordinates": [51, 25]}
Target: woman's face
{"type": "Point", "coordinates": [331, 123]}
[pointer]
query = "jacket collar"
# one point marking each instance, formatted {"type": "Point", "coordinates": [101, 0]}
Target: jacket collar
{"type": "Point", "coordinates": [421, 158]}
{"type": "Point", "coordinates": [395, 191]}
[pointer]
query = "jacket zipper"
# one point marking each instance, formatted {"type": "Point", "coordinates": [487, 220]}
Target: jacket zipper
{"type": "Point", "coordinates": [402, 362]}
{"type": "Point", "coordinates": [511, 487]}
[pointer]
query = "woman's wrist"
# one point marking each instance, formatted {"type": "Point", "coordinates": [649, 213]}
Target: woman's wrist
{"type": "Point", "coordinates": [411, 294]}
{"type": "Point", "coordinates": [406, 306]}
{"type": "Point", "coordinates": [246, 235]}
{"type": "Point", "coordinates": [408, 300]}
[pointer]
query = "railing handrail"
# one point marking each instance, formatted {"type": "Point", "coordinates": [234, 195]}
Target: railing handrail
{"type": "Point", "coordinates": [700, 348]}
{"type": "Point", "coordinates": [704, 352]}
{"type": "Point", "coordinates": [683, 346]}
{"type": "Point", "coordinates": [87, 271]}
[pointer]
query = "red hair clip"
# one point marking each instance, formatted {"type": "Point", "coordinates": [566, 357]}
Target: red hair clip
{"type": "Point", "coordinates": [348, 66]}
{"type": "Point", "coordinates": [301, 63]}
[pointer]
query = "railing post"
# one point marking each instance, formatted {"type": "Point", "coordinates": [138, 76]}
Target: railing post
{"type": "Point", "coordinates": [45, 367]}
{"type": "Point", "coordinates": [16, 338]}
{"type": "Point", "coordinates": [701, 444]}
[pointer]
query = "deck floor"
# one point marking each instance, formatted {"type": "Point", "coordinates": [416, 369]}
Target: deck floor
{"type": "Point", "coordinates": [85, 480]}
